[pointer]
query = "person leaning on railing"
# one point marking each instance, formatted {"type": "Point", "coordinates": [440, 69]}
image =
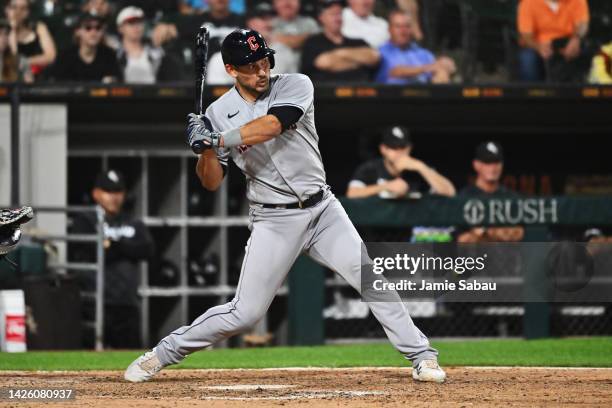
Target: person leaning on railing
{"type": "Point", "coordinates": [489, 164]}
{"type": "Point", "coordinates": [397, 173]}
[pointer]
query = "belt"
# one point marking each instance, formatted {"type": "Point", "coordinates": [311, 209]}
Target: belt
{"type": "Point", "coordinates": [309, 202]}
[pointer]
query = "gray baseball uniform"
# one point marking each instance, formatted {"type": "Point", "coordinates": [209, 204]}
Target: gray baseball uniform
{"type": "Point", "coordinates": [284, 170]}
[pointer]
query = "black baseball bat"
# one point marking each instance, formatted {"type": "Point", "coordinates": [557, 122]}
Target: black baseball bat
{"type": "Point", "coordinates": [200, 60]}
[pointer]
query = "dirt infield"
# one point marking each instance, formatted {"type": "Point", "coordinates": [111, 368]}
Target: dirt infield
{"type": "Point", "coordinates": [466, 387]}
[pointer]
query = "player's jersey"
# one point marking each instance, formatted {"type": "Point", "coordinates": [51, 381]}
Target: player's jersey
{"type": "Point", "coordinates": [287, 168]}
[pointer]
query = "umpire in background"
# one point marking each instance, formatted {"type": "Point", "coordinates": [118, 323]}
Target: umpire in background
{"type": "Point", "coordinates": [126, 242]}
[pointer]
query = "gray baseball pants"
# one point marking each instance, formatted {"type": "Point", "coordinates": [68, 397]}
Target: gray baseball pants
{"type": "Point", "coordinates": [278, 237]}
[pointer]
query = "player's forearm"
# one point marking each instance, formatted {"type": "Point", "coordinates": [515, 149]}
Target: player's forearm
{"type": "Point", "coordinates": [365, 191]}
{"type": "Point", "coordinates": [209, 170]}
{"type": "Point", "coordinates": [260, 130]}
{"type": "Point", "coordinates": [440, 184]}
{"type": "Point", "coordinates": [505, 234]}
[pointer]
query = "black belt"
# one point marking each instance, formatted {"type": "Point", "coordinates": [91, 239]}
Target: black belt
{"type": "Point", "coordinates": [309, 202]}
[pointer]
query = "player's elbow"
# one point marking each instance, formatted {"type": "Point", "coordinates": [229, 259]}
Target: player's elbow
{"type": "Point", "coordinates": [274, 125]}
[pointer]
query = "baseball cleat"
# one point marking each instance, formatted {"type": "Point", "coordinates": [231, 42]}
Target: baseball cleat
{"type": "Point", "coordinates": [428, 370]}
{"type": "Point", "coordinates": [143, 368]}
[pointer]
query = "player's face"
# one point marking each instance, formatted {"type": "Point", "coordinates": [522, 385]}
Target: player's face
{"type": "Point", "coordinates": [400, 28]}
{"type": "Point", "coordinates": [253, 78]}
{"type": "Point", "coordinates": [488, 172]}
{"type": "Point", "coordinates": [392, 154]}
{"type": "Point", "coordinates": [110, 201]}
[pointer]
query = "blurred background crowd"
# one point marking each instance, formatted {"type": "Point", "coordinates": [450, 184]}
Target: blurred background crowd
{"type": "Point", "coordinates": [380, 41]}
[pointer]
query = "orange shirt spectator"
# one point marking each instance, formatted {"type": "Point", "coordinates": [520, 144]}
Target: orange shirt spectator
{"type": "Point", "coordinates": [549, 20]}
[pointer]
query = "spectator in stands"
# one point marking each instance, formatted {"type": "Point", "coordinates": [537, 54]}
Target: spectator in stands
{"type": "Point", "coordinates": [291, 28]}
{"type": "Point", "coordinates": [89, 59]}
{"type": "Point", "coordinates": [403, 61]}
{"type": "Point", "coordinates": [28, 38]}
{"type": "Point", "coordinates": [489, 164]}
{"type": "Point", "coordinates": [331, 57]}
{"type": "Point", "coordinates": [397, 173]}
{"type": "Point", "coordinates": [552, 38]}
{"type": "Point", "coordinates": [140, 62]}
{"type": "Point", "coordinates": [126, 242]}
{"type": "Point", "coordinates": [601, 68]}
{"type": "Point", "coordinates": [102, 8]}
{"type": "Point", "coordinates": [9, 63]}
{"type": "Point", "coordinates": [358, 21]}
{"type": "Point", "coordinates": [153, 9]}
{"type": "Point", "coordinates": [220, 21]}
{"type": "Point", "coordinates": [259, 18]}
{"type": "Point", "coordinates": [199, 6]}
{"type": "Point", "coordinates": [411, 7]}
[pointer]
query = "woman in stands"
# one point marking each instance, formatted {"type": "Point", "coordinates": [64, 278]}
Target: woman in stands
{"type": "Point", "coordinates": [29, 39]}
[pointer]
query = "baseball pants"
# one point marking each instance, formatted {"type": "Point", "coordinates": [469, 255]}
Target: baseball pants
{"type": "Point", "coordinates": [278, 237]}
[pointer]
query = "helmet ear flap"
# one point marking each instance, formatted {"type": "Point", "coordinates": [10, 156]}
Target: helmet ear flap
{"type": "Point", "coordinates": [271, 58]}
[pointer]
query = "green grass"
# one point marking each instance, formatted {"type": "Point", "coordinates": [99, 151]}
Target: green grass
{"type": "Point", "coordinates": [574, 352]}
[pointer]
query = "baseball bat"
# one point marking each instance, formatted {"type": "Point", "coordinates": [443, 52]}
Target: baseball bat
{"type": "Point", "coordinates": [200, 60]}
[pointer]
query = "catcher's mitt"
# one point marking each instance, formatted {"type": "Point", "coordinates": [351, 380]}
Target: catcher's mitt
{"type": "Point", "coordinates": [10, 233]}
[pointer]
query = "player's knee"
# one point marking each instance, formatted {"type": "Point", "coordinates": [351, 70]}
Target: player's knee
{"type": "Point", "coordinates": [249, 317]}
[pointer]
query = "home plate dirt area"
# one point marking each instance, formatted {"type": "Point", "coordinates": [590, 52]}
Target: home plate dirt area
{"type": "Point", "coordinates": [357, 387]}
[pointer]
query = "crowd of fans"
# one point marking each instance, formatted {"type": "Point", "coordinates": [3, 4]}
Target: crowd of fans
{"type": "Point", "coordinates": [149, 41]}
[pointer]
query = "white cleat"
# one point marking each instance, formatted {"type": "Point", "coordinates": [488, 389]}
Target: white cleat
{"type": "Point", "coordinates": [143, 368]}
{"type": "Point", "coordinates": [428, 370]}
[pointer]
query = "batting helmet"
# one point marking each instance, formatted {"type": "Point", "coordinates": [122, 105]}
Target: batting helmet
{"type": "Point", "coordinates": [242, 47]}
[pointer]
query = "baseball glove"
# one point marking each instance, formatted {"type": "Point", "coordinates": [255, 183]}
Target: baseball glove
{"type": "Point", "coordinates": [10, 231]}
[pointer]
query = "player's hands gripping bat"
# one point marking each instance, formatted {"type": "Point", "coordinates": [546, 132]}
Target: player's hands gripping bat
{"type": "Point", "coordinates": [201, 55]}
{"type": "Point", "coordinates": [10, 223]}
{"type": "Point", "coordinates": [199, 133]}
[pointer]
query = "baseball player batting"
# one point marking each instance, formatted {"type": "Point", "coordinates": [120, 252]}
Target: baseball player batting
{"type": "Point", "coordinates": [266, 125]}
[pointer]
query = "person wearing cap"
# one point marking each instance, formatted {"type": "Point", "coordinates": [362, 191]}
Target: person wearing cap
{"type": "Point", "coordinates": [126, 243]}
{"type": "Point", "coordinates": [140, 62]}
{"type": "Point", "coordinates": [218, 18]}
{"type": "Point", "coordinates": [404, 62]}
{"type": "Point", "coordinates": [397, 173]}
{"type": "Point", "coordinates": [488, 164]}
{"type": "Point", "coordinates": [89, 59]}
{"type": "Point", "coordinates": [259, 18]}
{"type": "Point", "coordinates": [330, 56]}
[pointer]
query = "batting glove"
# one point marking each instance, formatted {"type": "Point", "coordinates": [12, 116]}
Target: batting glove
{"type": "Point", "coordinates": [200, 135]}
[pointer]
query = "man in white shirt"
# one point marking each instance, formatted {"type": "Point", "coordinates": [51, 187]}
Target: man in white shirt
{"type": "Point", "coordinates": [359, 22]}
